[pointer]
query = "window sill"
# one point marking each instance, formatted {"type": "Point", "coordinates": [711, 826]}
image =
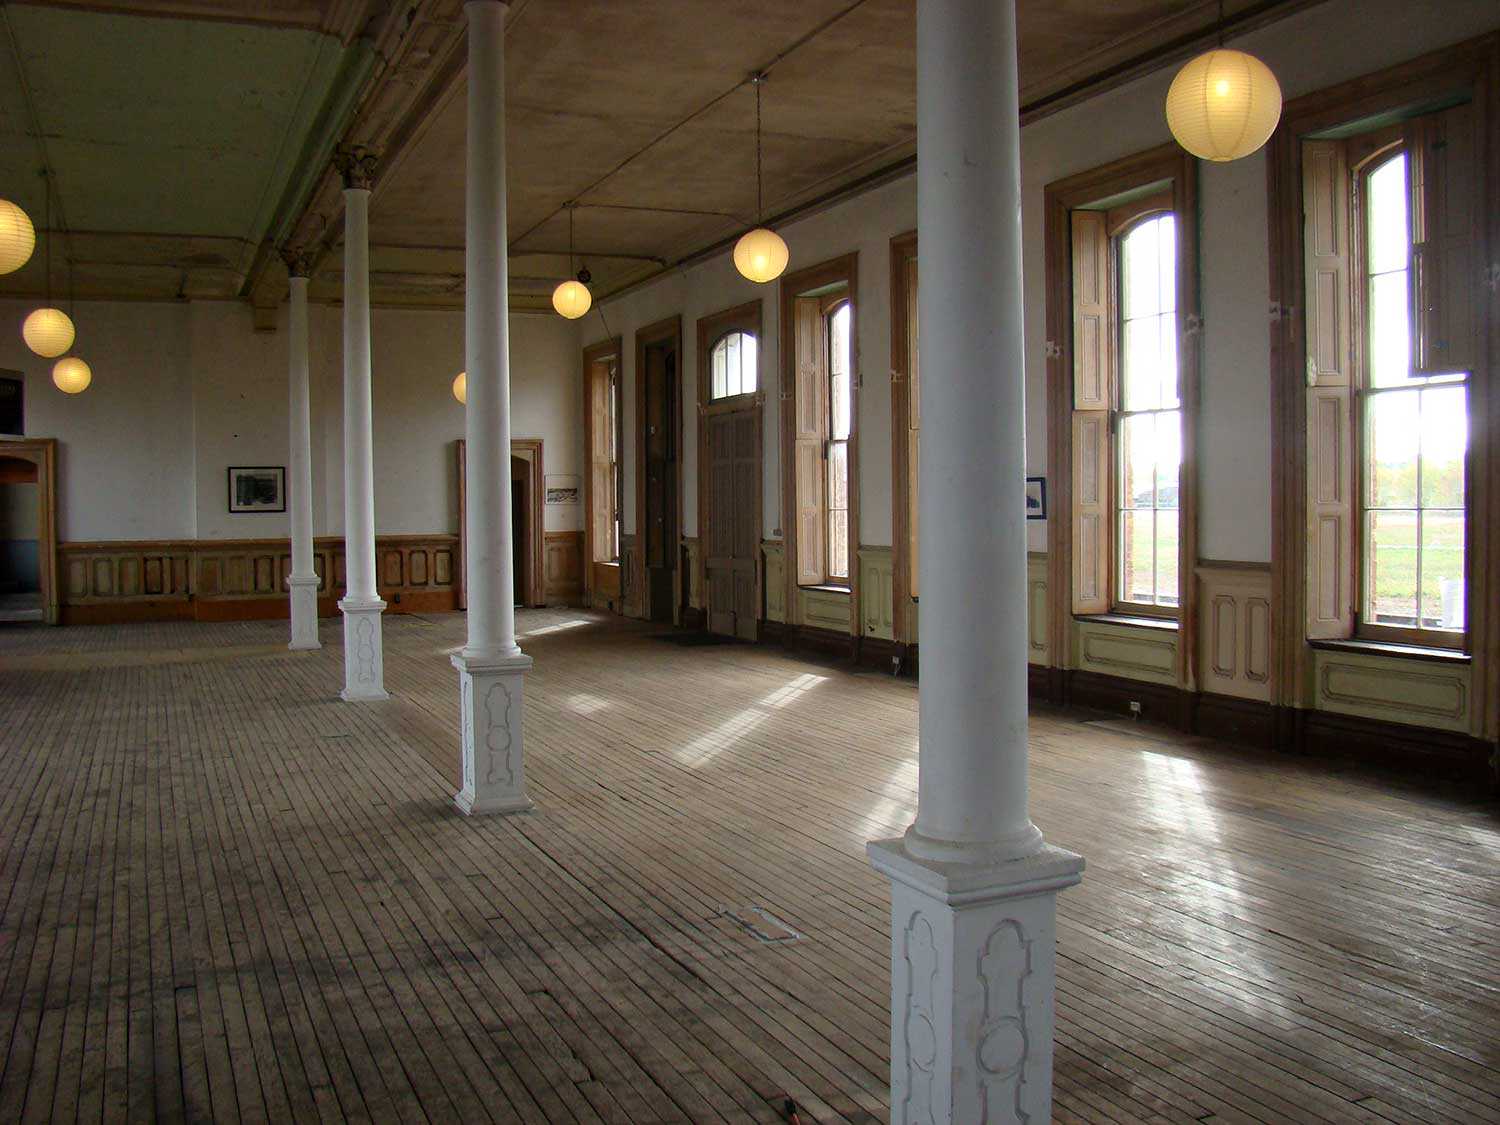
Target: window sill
{"type": "Point", "coordinates": [828, 588]}
{"type": "Point", "coordinates": [1388, 648]}
{"type": "Point", "coordinates": [1166, 624]}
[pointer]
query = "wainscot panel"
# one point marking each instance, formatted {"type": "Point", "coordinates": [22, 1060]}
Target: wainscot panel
{"type": "Point", "coordinates": [1134, 652]}
{"type": "Point", "coordinates": [563, 567]}
{"type": "Point", "coordinates": [1234, 604]}
{"type": "Point", "coordinates": [774, 553]}
{"type": "Point", "coordinates": [824, 609]}
{"type": "Point", "coordinates": [876, 591]}
{"type": "Point", "coordinates": [1394, 689]}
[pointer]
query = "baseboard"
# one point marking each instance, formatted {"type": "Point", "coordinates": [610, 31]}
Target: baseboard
{"type": "Point", "coordinates": [1159, 703]}
{"type": "Point", "coordinates": [880, 655]}
{"type": "Point", "coordinates": [695, 618]}
{"type": "Point", "coordinates": [1395, 746]}
{"type": "Point", "coordinates": [1248, 722]}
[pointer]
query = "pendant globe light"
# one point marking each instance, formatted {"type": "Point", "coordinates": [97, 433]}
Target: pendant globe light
{"type": "Point", "coordinates": [17, 237]}
{"type": "Point", "coordinates": [1224, 104]}
{"type": "Point", "coordinates": [461, 387]}
{"type": "Point", "coordinates": [71, 375]}
{"type": "Point", "coordinates": [572, 298]}
{"type": "Point", "coordinates": [761, 254]}
{"type": "Point", "coordinates": [48, 331]}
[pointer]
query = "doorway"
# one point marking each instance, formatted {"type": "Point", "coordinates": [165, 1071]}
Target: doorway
{"type": "Point", "coordinates": [28, 531]}
{"type": "Point", "coordinates": [657, 497]}
{"type": "Point", "coordinates": [526, 515]}
{"type": "Point", "coordinates": [730, 404]}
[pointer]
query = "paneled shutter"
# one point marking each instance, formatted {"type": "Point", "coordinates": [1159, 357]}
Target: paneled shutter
{"type": "Point", "coordinates": [1441, 148]}
{"type": "Point", "coordinates": [1093, 349]}
{"type": "Point", "coordinates": [1330, 416]}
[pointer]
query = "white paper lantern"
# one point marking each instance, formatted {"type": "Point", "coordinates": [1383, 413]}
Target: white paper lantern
{"type": "Point", "coordinates": [1223, 105]}
{"type": "Point", "coordinates": [461, 387]}
{"type": "Point", "coordinates": [761, 255]}
{"type": "Point", "coordinates": [71, 375]}
{"type": "Point", "coordinates": [572, 299]}
{"type": "Point", "coordinates": [17, 237]}
{"type": "Point", "coordinates": [48, 332]}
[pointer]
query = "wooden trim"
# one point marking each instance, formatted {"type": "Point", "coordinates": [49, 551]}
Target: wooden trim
{"type": "Point", "coordinates": [841, 269]}
{"type": "Point", "coordinates": [903, 503]}
{"type": "Point", "coordinates": [42, 452]}
{"type": "Point", "coordinates": [667, 329]}
{"type": "Point", "coordinates": [745, 318]}
{"type": "Point", "coordinates": [562, 583]}
{"type": "Point", "coordinates": [1167, 163]}
{"type": "Point", "coordinates": [594, 353]}
{"type": "Point", "coordinates": [1469, 69]}
{"type": "Point", "coordinates": [530, 451]}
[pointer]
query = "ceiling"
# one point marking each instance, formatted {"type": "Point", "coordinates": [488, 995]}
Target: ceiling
{"type": "Point", "coordinates": [190, 140]}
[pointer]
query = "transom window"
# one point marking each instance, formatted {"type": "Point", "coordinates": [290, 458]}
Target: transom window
{"type": "Point", "coordinates": [1414, 435]}
{"type": "Point", "coordinates": [1148, 422]}
{"type": "Point", "coordinates": [733, 366]}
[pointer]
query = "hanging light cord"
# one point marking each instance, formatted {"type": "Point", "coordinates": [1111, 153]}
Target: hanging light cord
{"type": "Point", "coordinates": [760, 203]}
{"type": "Point", "coordinates": [47, 221]}
{"type": "Point", "coordinates": [1221, 25]}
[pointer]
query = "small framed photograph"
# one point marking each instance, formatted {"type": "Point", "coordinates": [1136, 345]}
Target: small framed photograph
{"type": "Point", "coordinates": [1036, 498]}
{"type": "Point", "coordinates": [258, 489]}
{"type": "Point", "coordinates": [562, 489]}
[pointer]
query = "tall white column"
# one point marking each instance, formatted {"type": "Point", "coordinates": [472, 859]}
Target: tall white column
{"type": "Point", "coordinates": [302, 582]}
{"type": "Point", "coordinates": [974, 886]}
{"type": "Point", "coordinates": [491, 667]}
{"type": "Point", "coordinates": [364, 655]}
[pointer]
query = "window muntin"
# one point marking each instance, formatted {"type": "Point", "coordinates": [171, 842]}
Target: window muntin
{"type": "Point", "coordinates": [839, 424]}
{"type": "Point", "coordinates": [1148, 422]}
{"type": "Point", "coordinates": [1414, 440]}
{"type": "Point", "coordinates": [615, 422]}
{"type": "Point", "coordinates": [733, 366]}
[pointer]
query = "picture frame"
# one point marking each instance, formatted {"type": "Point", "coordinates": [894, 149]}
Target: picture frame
{"type": "Point", "coordinates": [1036, 498]}
{"type": "Point", "coordinates": [563, 489]}
{"type": "Point", "coordinates": [255, 489]}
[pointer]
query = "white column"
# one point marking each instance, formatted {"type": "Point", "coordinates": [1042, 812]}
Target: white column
{"type": "Point", "coordinates": [364, 656]}
{"type": "Point", "coordinates": [974, 887]}
{"type": "Point", "coordinates": [302, 582]}
{"type": "Point", "coordinates": [491, 668]}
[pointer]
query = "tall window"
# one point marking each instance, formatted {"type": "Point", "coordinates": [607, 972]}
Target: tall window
{"type": "Point", "coordinates": [1148, 422]}
{"type": "Point", "coordinates": [615, 424]}
{"type": "Point", "coordinates": [1413, 433]}
{"type": "Point", "coordinates": [733, 366]}
{"type": "Point", "coordinates": [837, 449]}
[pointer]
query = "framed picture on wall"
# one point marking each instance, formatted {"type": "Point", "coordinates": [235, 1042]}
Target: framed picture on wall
{"type": "Point", "coordinates": [1036, 498]}
{"type": "Point", "coordinates": [258, 489]}
{"type": "Point", "coordinates": [12, 404]}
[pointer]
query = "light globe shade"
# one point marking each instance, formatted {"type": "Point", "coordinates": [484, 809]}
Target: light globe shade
{"type": "Point", "coordinates": [761, 255]}
{"type": "Point", "coordinates": [71, 375]}
{"type": "Point", "coordinates": [461, 387]}
{"type": "Point", "coordinates": [17, 237]}
{"type": "Point", "coordinates": [48, 332]}
{"type": "Point", "coordinates": [572, 299]}
{"type": "Point", "coordinates": [1223, 105]}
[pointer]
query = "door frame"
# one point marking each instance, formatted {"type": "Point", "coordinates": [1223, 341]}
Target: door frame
{"type": "Point", "coordinates": [42, 452]}
{"type": "Point", "coordinates": [663, 331]}
{"type": "Point", "coordinates": [747, 317]}
{"type": "Point", "coordinates": [530, 451]}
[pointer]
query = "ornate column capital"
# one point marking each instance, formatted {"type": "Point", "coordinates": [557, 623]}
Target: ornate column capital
{"type": "Point", "coordinates": [299, 263]}
{"type": "Point", "coordinates": [357, 166]}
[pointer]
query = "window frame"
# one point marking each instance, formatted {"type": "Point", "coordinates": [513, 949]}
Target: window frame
{"type": "Point", "coordinates": [906, 423]}
{"type": "Point", "coordinates": [734, 401]}
{"type": "Point", "coordinates": [1365, 153]}
{"type": "Point", "coordinates": [830, 307]}
{"type": "Point", "coordinates": [602, 361]}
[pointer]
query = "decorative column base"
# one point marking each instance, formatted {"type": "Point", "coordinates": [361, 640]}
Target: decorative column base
{"type": "Point", "coordinates": [304, 599]}
{"type": "Point", "coordinates": [973, 984]}
{"type": "Point", "coordinates": [490, 691]}
{"type": "Point", "coordinates": [364, 651]}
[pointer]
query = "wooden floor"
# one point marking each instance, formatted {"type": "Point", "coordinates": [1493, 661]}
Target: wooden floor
{"type": "Point", "coordinates": [227, 894]}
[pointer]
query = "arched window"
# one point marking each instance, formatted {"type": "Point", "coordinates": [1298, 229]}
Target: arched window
{"type": "Point", "coordinates": [732, 366]}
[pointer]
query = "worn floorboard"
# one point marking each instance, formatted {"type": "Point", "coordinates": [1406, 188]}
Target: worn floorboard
{"type": "Point", "coordinates": [226, 894]}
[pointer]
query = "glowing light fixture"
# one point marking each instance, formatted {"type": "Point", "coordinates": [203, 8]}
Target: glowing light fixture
{"type": "Point", "coordinates": [461, 387]}
{"type": "Point", "coordinates": [761, 254]}
{"type": "Point", "coordinates": [71, 375]}
{"type": "Point", "coordinates": [572, 298]}
{"type": "Point", "coordinates": [17, 237]}
{"type": "Point", "coordinates": [49, 332]}
{"type": "Point", "coordinates": [1224, 104]}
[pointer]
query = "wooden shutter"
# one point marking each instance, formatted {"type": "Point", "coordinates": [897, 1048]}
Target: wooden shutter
{"type": "Point", "coordinates": [1093, 350]}
{"type": "Point", "coordinates": [1442, 279]}
{"type": "Point", "coordinates": [913, 424]}
{"type": "Point", "coordinates": [601, 487]}
{"type": "Point", "coordinates": [1330, 415]}
{"type": "Point", "coordinates": [811, 437]}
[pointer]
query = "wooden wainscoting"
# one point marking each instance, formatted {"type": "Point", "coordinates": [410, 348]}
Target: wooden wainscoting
{"type": "Point", "coordinates": [1234, 602]}
{"type": "Point", "coordinates": [563, 567]}
{"type": "Point", "coordinates": [241, 579]}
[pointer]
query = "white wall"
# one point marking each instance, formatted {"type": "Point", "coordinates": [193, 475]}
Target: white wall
{"type": "Point", "coordinates": [182, 391]}
{"type": "Point", "coordinates": [1316, 48]}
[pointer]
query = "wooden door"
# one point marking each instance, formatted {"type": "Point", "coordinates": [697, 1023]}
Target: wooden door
{"type": "Point", "coordinates": [660, 535]}
{"type": "Point", "coordinates": [733, 523]}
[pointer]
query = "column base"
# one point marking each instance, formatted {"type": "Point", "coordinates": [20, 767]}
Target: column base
{"type": "Point", "coordinates": [364, 651]}
{"type": "Point", "coordinates": [973, 983]}
{"type": "Point", "coordinates": [490, 712]}
{"type": "Point", "coordinates": [303, 593]}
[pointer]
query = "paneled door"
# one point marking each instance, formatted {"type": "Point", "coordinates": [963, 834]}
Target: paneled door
{"type": "Point", "coordinates": [733, 522]}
